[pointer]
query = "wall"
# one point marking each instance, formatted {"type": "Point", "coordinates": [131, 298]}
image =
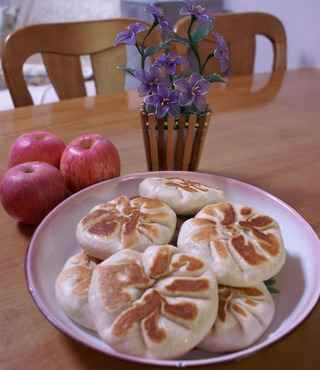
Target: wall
{"type": "Point", "coordinates": [301, 21]}
{"type": "Point", "coordinates": [39, 11]}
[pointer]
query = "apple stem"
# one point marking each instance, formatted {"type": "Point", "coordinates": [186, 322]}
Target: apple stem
{"type": "Point", "coordinates": [86, 143]}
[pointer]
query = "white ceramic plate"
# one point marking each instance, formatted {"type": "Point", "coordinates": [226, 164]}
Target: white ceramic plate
{"type": "Point", "coordinates": [54, 241]}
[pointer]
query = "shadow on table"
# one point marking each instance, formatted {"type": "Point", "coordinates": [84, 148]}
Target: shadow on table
{"type": "Point", "coordinates": [26, 230]}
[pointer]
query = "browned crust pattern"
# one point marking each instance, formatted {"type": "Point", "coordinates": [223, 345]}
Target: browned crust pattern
{"type": "Point", "coordinates": [148, 309]}
{"type": "Point", "coordinates": [116, 280]}
{"type": "Point", "coordinates": [187, 185]}
{"type": "Point", "coordinates": [248, 296]}
{"type": "Point", "coordinates": [79, 272]}
{"type": "Point", "coordinates": [260, 227]}
{"type": "Point", "coordinates": [126, 217]}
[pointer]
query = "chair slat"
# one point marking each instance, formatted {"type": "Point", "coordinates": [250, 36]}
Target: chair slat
{"type": "Point", "coordinates": [108, 78]}
{"type": "Point", "coordinates": [65, 74]}
{"type": "Point", "coordinates": [61, 45]}
{"type": "Point", "coordinates": [240, 31]}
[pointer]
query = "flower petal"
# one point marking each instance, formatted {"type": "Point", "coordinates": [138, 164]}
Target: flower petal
{"type": "Point", "coordinates": [122, 37]}
{"type": "Point", "coordinates": [140, 75]}
{"type": "Point", "coordinates": [185, 99]}
{"type": "Point", "coordinates": [204, 18]}
{"type": "Point", "coordinates": [184, 11]}
{"type": "Point", "coordinates": [163, 91]}
{"type": "Point", "coordinates": [182, 85]}
{"type": "Point", "coordinates": [174, 97]}
{"type": "Point", "coordinates": [152, 100]}
{"type": "Point", "coordinates": [154, 10]}
{"type": "Point", "coordinates": [194, 78]}
{"type": "Point", "coordinates": [162, 110]}
{"type": "Point", "coordinates": [137, 27]}
{"type": "Point", "coordinates": [143, 89]}
{"type": "Point", "coordinates": [171, 68]}
{"type": "Point", "coordinates": [200, 102]}
{"type": "Point", "coordinates": [203, 87]}
{"type": "Point", "coordinates": [154, 72]}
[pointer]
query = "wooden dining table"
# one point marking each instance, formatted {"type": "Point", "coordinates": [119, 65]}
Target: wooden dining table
{"type": "Point", "coordinates": [265, 130]}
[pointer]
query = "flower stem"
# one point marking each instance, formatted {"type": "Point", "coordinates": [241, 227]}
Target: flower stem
{"type": "Point", "coordinates": [205, 63]}
{"type": "Point", "coordinates": [154, 24]}
{"type": "Point", "coordinates": [141, 52]}
{"type": "Point", "coordinates": [192, 45]}
{"type": "Point", "coordinates": [171, 81]}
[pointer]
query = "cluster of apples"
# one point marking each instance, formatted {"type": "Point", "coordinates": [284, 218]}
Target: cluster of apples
{"type": "Point", "coordinates": [43, 171]}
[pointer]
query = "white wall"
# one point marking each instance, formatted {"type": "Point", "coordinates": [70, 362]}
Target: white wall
{"type": "Point", "coordinates": [39, 11]}
{"type": "Point", "coordinates": [302, 24]}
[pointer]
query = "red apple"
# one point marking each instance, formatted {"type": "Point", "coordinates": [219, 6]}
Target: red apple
{"type": "Point", "coordinates": [30, 190]}
{"type": "Point", "coordinates": [39, 146]}
{"type": "Point", "coordinates": [88, 159]}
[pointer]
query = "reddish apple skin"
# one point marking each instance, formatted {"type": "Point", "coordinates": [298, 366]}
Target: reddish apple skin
{"type": "Point", "coordinates": [89, 159]}
{"type": "Point", "coordinates": [30, 190]}
{"type": "Point", "coordinates": [41, 146]}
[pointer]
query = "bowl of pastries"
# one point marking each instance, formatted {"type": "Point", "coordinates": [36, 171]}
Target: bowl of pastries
{"type": "Point", "coordinates": [174, 268]}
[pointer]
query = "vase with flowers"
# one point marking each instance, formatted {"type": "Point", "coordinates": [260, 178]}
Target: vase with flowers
{"type": "Point", "coordinates": [175, 114]}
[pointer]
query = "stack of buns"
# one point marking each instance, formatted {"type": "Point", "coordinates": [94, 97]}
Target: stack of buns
{"type": "Point", "coordinates": [147, 298]}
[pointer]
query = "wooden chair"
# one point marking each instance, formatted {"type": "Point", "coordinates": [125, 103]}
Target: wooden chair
{"type": "Point", "coordinates": [61, 46]}
{"type": "Point", "coordinates": [239, 31]}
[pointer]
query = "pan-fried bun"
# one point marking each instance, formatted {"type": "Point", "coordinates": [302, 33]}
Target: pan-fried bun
{"type": "Point", "coordinates": [245, 246]}
{"type": "Point", "coordinates": [244, 315]}
{"type": "Point", "coordinates": [160, 303]}
{"type": "Point", "coordinates": [124, 223]}
{"type": "Point", "coordinates": [185, 197]}
{"type": "Point", "coordinates": [72, 287]}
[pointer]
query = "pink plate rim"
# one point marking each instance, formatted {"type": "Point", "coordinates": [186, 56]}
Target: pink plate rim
{"type": "Point", "coordinates": [175, 363]}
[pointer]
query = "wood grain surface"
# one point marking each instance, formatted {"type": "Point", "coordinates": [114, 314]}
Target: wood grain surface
{"type": "Point", "coordinates": [265, 131]}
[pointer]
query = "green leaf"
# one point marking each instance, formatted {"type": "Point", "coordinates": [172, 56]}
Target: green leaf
{"type": "Point", "coordinates": [270, 284]}
{"type": "Point", "coordinates": [201, 32]}
{"type": "Point", "coordinates": [215, 77]}
{"type": "Point", "coordinates": [273, 290]}
{"type": "Point", "coordinates": [179, 39]}
{"type": "Point", "coordinates": [130, 71]}
{"type": "Point", "coordinates": [270, 281]}
{"type": "Point", "coordinates": [165, 44]}
{"type": "Point", "coordinates": [151, 50]}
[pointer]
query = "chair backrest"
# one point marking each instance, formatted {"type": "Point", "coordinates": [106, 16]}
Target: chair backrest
{"type": "Point", "coordinates": [61, 46]}
{"type": "Point", "coordinates": [240, 31]}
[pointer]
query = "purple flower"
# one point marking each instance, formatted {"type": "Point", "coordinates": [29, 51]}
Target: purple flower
{"type": "Point", "coordinates": [128, 36]}
{"type": "Point", "coordinates": [159, 18]}
{"type": "Point", "coordinates": [193, 8]}
{"type": "Point", "coordinates": [164, 101]}
{"type": "Point", "coordinates": [221, 52]}
{"type": "Point", "coordinates": [193, 91]}
{"type": "Point", "coordinates": [150, 80]}
{"type": "Point", "coordinates": [169, 62]}
{"type": "Point", "coordinates": [155, 11]}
